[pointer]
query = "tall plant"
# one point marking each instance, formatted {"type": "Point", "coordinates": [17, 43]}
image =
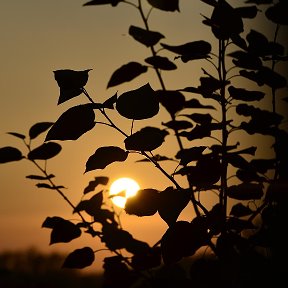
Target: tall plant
{"type": "Point", "coordinates": [245, 227]}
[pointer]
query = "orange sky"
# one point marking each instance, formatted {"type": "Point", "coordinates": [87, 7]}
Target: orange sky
{"type": "Point", "coordinates": [38, 37]}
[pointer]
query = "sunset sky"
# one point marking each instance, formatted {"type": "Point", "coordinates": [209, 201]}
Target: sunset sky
{"type": "Point", "coordinates": [39, 37]}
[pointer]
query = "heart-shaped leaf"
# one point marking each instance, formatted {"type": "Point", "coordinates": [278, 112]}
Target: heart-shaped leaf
{"type": "Point", "coordinates": [45, 151]}
{"type": "Point", "coordinates": [9, 154]}
{"type": "Point", "coordinates": [73, 123]}
{"type": "Point", "coordinates": [39, 128]}
{"type": "Point", "coordinates": [91, 206]}
{"type": "Point", "coordinates": [126, 73]}
{"type": "Point", "coordinates": [71, 83]}
{"type": "Point", "coordinates": [104, 156]}
{"type": "Point", "coordinates": [148, 38]}
{"type": "Point", "coordinates": [62, 230]}
{"type": "Point", "coordinates": [173, 101]}
{"type": "Point", "coordinates": [138, 104]}
{"type": "Point", "coordinates": [147, 139]}
{"type": "Point", "coordinates": [79, 258]}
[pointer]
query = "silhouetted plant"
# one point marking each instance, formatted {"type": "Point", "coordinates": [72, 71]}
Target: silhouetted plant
{"type": "Point", "coordinates": [246, 242]}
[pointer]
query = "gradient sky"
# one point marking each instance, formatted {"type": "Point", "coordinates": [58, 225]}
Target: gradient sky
{"type": "Point", "coordinates": [39, 37]}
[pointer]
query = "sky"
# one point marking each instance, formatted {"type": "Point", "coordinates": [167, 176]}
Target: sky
{"type": "Point", "coordinates": [39, 37]}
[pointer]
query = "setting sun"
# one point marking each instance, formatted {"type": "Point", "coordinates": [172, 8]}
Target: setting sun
{"type": "Point", "coordinates": [123, 188]}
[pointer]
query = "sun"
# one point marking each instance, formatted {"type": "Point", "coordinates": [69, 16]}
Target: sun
{"type": "Point", "coordinates": [124, 188]}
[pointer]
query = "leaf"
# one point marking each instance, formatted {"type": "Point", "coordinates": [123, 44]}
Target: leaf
{"type": "Point", "coordinates": [144, 203]}
{"type": "Point", "coordinates": [178, 124]}
{"type": "Point", "coordinates": [104, 156]}
{"type": "Point", "coordinates": [278, 13]}
{"type": "Point", "coordinates": [17, 135]}
{"type": "Point", "coordinates": [91, 206]}
{"type": "Point", "coordinates": [38, 177]}
{"type": "Point", "coordinates": [73, 123]}
{"type": "Point", "coordinates": [239, 210]}
{"type": "Point", "coordinates": [171, 5]}
{"type": "Point", "coordinates": [156, 158]}
{"type": "Point", "coordinates": [47, 186]}
{"type": "Point", "coordinates": [171, 204]}
{"type": "Point", "coordinates": [238, 225]}
{"type": "Point", "coordinates": [245, 191]}
{"type": "Point", "coordinates": [191, 50]}
{"type": "Point", "coordinates": [39, 128]}
{"type": "Point", "coordinates": [162, 63]}
{"type": "Point", "coordinates": [45, 151]}
{"type": "Point", "coordinates": [225, 21]}
{"type": "Point", "coordinates": [246, 60]}
{"type": "Point", "coordinates": [126, 73]}
{"type": "Point", "coordinates": [147, 139]}
{"type": "Point", "coordinates": [109, 103]}
{"type": "Point", "coordinates": [71, 83]}
{"type": "Point", "coordinates": [141, 103]}
{"type": "Point", "coordinates": [249, 12]}
{"type": "Point", "coordinates": [102, 2]}
{"type": "Point", "coordinates": [172, 101]}
{"type": "Point", "coordinates": [190, 154]}
{"type": "Point", "coordinates": [245, 95]}
{"type": "Point", "coordinates": [93, 184]}
{"type": "Point", "coordinates": [62, 230]}
{"type": "Point", "coordinates": [194, 103]}
{"type": "Point", "coordinates": [79, 258]}
{"type": "Point", "coordinates": [10, 154]}
{"type": "Point", "coordinates": [146, 37]}
{"type": "Point", "coordinates": [199, 118]}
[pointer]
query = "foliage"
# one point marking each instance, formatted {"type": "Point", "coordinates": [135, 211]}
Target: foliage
{"type": "Point", "coordinates": [249, 235]}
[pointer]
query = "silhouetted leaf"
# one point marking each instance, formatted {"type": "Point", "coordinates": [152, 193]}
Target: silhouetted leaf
{"type": "Point", "coordinates": [237, 161]}
{"type": "Point", "coordinates": [79, 258]}
{"type": "Point", "coordinates": [38, 177]}
{"type": "Point", "coordinates": [71, 83]}
{"type": "Point", "coordinates": [162, 63]}
{"type": "Point", "coordinates": [62, 230]}
{"type": "Point", "coordinates": [45, 151]}
{"type": "Point", "coordinates": [102, 2]}
{"type": "Point", "coordinates": [225, 21]}
{"type": "Point", "coordinates": [115, 238]}
{"type": "Point", "coordinates": [247, 11]}
{"type": "Point", "coordinates": [245, 95]}
{"type": "Point", "coordinates": [194, 103]}
{"type": "Point", "coordinates": [278, 13]}
{"type": "Point", "coordinates": [94, 183]}
{"type": "Point", "coordinates": [178, 124]}
{"type": "Point", "coordinates": [173, 101]}
{"type": "Point", "coordinates": [9, 154]}
{"type": "Point", "coordinates": [17, 135]}
{"type": "Point", "coordinates": [156, 158]}
{"type": "Point", "coordinates": [104, 216]}
{"type": "Point", "coordinates": [104, 156]}
{"type": "Point", "coordinates": [148, 38]}
{"type": "Point", "coordinates": [147, 139]}
{"type": "Point", "coordinates": [199, 118]}
{"type": "Point", "coordinates": [141, 103]}
{"type": "Point", "coordinates": [147, 260]}
{"type": "Point", "coordinates": [245, 60]}
{"type": "Point", "coordinates": [39, 128]}
{"type": "Point", "coordinates": [109, 103]}
{"type": "Point", "coordinates": [245, 191]}
{"type": "Point", "coordinates": [171, 203]}
{"type": "Point", "coordinates": [249, 175]}
{"type": "Point", "coordinates": [171, 5]}
{"type": "Point", "coordinates": [90, 206]}
{"type": "Point", "coordinates": [265, 76]}
{"type": "Point", "coordinates": [126, 73]}
{"type": "Point", "coordinates": [144, 203]}
{"type": "Point", "coordinates": [73, 123]}
{"type": "Point", "coordinates": [47, 186]}
{"type": "Point", "coordinates": [239, 210]}
{"type": "Point", "coordinates": [190, 154]}
{"type": "Point", "coordinates": [191, 50]}
{"type": "Point", "coordinates": [262, 165]}
{"type": "Point", "coordinates": [198, 132]}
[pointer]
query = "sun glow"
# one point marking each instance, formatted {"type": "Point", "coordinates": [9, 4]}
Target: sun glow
{"type": "Point", "coordinates": [123, 188]}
